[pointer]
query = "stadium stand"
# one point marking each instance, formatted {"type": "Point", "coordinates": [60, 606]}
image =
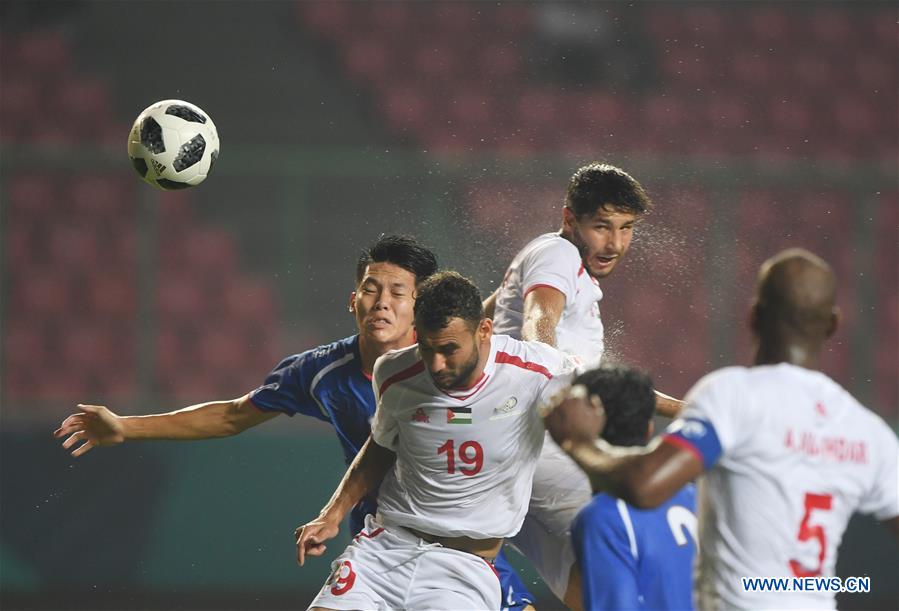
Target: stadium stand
{"type": "Point", "coordinates": [72, 258]}
{"type": "Point", "coordinates": [754, 82]}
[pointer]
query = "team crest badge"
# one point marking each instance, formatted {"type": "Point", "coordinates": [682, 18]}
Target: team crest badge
{"type": "Point", "coordinates": [420, 416]}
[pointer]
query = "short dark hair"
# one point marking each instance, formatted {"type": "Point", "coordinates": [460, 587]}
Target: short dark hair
{"type": "Point", "coordinates": [628, 399]}
{"type": "Point", "coordinates": [403, 251]}
{"type": "Point", "coordinates": [596, 185]}
{"type": "Point", "coordinates": [447, 295]}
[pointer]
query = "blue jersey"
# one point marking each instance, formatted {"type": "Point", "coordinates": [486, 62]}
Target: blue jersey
{"type": "Point", "coordinates": [328, 383]}
{"type": "Point", "coordinates": [637, 558]}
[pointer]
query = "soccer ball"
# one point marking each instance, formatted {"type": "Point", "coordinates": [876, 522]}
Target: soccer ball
{"type": "Point", "coordinates": [173, 145]}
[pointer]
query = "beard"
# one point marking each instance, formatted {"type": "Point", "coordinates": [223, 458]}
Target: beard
{"type": "Point", "coordinates": [449, 381]}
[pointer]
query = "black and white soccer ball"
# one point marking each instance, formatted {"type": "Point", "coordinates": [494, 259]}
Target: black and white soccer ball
{"type": "Point", "coordinates": [173, 144]}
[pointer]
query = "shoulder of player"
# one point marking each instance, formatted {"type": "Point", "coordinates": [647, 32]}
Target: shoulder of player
{"type": "Point", "coordinates": [552, 246]}
{"type": "Point", "coordinates": [397, 365]}
{"type": "Point", "coordinates": [602, 517]}
{"type": "Point", "coordinates": [531, 355]}
{"type": "Point", "coordinates": [316, 359]}
{"type": "Point", "coordinates": [726, 377]}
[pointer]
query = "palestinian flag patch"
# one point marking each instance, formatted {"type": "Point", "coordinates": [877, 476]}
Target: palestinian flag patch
{"type": "Point", "coordinates": [459, 415]}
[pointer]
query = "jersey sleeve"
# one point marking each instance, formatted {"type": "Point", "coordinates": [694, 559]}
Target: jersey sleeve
{"type": "Point", "coordinates": [555, 265]}
{"type": "Point", "coordinates": [559, 368]}
{"type": "Point", "coordinates": [287, 389]}
{"type": "Point", "coordinates": [607, 557]}
{"type": "Point", "coordinates": [713, 422]}
{"type": "Point", "coordinates": [882, 499]}
{"type": "Point", "coordinates": [384, 427]}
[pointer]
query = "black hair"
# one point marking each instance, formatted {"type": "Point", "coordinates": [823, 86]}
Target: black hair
{"type": "Point", "coordinates": [628, 399]}
{"type": "Point", "coordinates": [447, 295]}
{"type": "Point", "coordinates": [597, 185]}
{"type": "Point", "coordinates": [403, 251]}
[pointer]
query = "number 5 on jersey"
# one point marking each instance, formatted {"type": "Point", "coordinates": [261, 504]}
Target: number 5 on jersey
{"type": "Point", "coordinates": [470, 453]}
{"type": "Point", "coordinates": [821, 502]}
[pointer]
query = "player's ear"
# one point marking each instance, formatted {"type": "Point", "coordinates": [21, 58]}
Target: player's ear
{"type": "Point", "coordinates": [485, 329]}
{"type": "Point", "coordinates": [836, 317]}
{"type": "Point", "coordinates": [568, 218]}
{"type": "Point", "coordinates": [352, 304]}
{"type": "Point", "coordinates": [754, 317]}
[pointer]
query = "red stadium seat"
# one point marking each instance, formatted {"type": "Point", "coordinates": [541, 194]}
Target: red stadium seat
{"type": "Point", "coordinates": [437, 60]}
{"type": "Point", "coordinates": [42, 292]}
{"type": "Point", "coordinates": [21, 105]}
{"type": "Point", "coordinates": [249, 301]}
{"type": "Point", "coordinates": [74, 247]}
{"type": "Point", "coordinates": [180, 297]}
{"type": "Point", "coordinates": [25, 342]}
{"type": "Point", "coordinates": [113, 296]}
{"type": "Point", "coordinates": [96, 348]}
{"type": "Point", "coordinates": [833, 27]}
{"type": "Point", "coordinates": [42, 53]}
{"type": "Point", "coordinates": [408, 107]}
{"type": "Point", "coordinates": [222, 352]}
{"type": "Point", "coordinates": [102, 198]}
{"type": "Point", "coordinates": [499, 62]}
{"type": "Point", "coordinates": [369, 58]}
{"type": "Point", "coordinates": [812, 71]}
{"type": "Point", "coordinates": [32, 196]}
{"type": "Point", "coordinates": [391, 18]}
{"type": "Point", "coordinates": [328, 19]}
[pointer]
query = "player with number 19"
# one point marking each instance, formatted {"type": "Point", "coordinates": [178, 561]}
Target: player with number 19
{"type": "Point", "coordinates": [455, 439]}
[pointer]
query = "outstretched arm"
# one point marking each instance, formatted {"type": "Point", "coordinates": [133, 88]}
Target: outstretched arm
{"type": "Point", "coordinates": [363, 476]}
{"type": "Point", "coordinates": [643, 477]}
{"type": "Point", "coordinates": [668, 406]}
{"type": "Point", "coordinates": [96, 425]}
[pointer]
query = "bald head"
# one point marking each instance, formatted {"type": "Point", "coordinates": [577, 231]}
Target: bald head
{"type": "Point", "coordinates": [796, 294]}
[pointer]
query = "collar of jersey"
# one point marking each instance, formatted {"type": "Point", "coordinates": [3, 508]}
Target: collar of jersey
{"type": "Point", "coordinates": [464, 393]}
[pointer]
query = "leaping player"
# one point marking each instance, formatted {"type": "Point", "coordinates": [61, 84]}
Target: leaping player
{"type": "Point", "coordinates": [331, 382]}
{"type": "Point", "coordinates": [454, 444]}
{"type": "Point", "coordinates": [551, 293]}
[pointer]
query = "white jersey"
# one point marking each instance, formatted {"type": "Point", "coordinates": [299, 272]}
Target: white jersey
{"type": "Point", "coordinates": [551, 260]}
{"type": "Point", "coordinates": [464, 459]}
{"type": "Point", "coordinates": [790, 456]}
{"type": "Point", "coordinates": [560, 488]}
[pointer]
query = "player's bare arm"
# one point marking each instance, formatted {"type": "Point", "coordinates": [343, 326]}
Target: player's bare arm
{"type": "Point", "coordinates": [363, 476]}
{"type": "Point", "coordinates": [543, 308]}
{"type": "Point", "coordinates": [96, 425]}
{"type": "Point", "coordinates": [668, 406]}
{"type": "Point", "coordinates": [643, 477]}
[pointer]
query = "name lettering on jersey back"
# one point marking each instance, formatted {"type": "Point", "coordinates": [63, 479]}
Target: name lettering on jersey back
{"type": "Point", "coordinates": [837, 449]}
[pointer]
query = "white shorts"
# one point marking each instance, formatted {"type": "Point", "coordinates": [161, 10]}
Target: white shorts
{"type": "Point", "coordinates": [387, 567]}
{"type": "Point", "coordinates": [560, 490]}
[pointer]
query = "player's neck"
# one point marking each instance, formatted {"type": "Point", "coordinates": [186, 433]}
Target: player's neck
{"type": "Point", "coordinates": [800, 354]}
{"type": "Point", "coordinates": [370, 349]}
